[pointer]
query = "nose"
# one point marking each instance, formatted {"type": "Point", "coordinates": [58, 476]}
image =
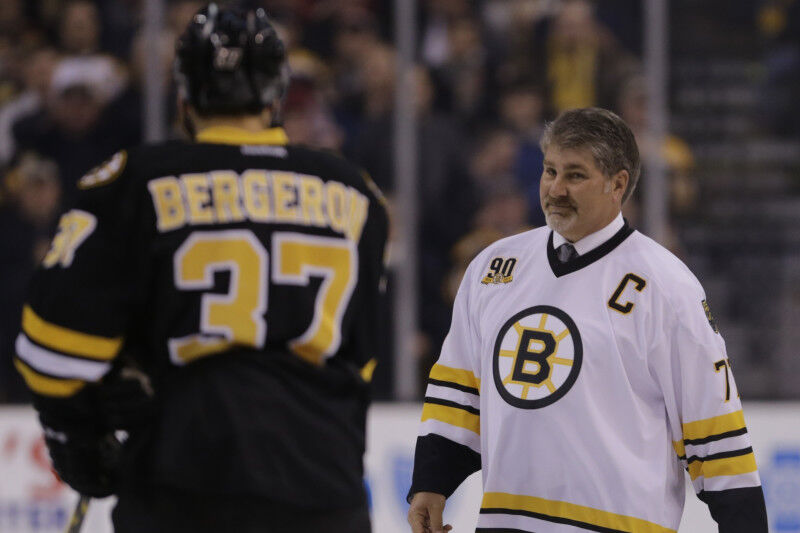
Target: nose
{"type": "Point", "coordinates": [558, 187]}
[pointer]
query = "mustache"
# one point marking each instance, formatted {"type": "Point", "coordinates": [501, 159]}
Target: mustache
{"type": "Point", "coordinates": [558, 203]}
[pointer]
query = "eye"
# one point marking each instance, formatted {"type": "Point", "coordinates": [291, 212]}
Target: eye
{"type": "Point", "coordinates": [577, 176]}
{"type": "Point", "coordinates": [550, 171]}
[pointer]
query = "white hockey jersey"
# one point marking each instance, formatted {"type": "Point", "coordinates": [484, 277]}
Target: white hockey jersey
{"type": "Point", "coordinates": [586, 387]}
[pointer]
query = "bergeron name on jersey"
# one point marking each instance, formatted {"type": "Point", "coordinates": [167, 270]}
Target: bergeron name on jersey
{"type": "Point", "coordinates": [225, 196]}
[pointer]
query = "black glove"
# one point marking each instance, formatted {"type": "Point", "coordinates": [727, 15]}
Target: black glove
{"type": "Point", "coordinates": [125, 399]}
{"type": "Point", "coordinates": [86, 462]}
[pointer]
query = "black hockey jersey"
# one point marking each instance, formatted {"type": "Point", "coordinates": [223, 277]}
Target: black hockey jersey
{"type": "Point", "coordinates": [242, 273]}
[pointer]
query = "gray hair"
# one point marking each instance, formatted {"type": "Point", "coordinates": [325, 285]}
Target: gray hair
{"type": "Point", "coordinates": [607, 137]}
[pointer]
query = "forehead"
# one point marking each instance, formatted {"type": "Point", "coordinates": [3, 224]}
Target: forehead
{"type": "Point", "coordinates": [565, 157]}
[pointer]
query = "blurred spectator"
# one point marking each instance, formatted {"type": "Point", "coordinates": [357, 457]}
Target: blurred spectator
{"type": "Point", "coordinates": [493, 159]}
{"type": "Point", "coordinates": [463, 77]}
{"type": "Point", "coordinates": [307, 119]}
{"type": "Point", "coordinates": [325, 20]}
{"type": "Point", "coordinates": [357, 48]}
{"type": "Point", "coordinates": [378, 75]}
{"type": "Point", "coordinates": [27, 217]}
{"type": "Point", "coordinates": [16, 29]}
{"type": "Point", "coordinates": [522, 108]}
{"type": "Point", "coordinates": [38, 71]}
{"type": "Point", "coordinates": [437, 25]}
{"type": "Point", "coordinates": [510, 25]}
{"type": "Point", "coordinates": [675, 152]}
{"type": "Point", "coordinates": [581, 61]}
{"type": "Point", "coordinates": [445, 196]}
{"type": "Point", "coordinates": [79, 126]}
{"type": "Point", "coordinates": [779, 26]}
{"type": "Point", "coordinates": [79, 27]}
{"type": "Point", "coordinates": [119, 21]}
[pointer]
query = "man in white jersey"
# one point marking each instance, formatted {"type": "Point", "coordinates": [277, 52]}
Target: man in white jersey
{"type": "Point", "coordinates": [583, 371]}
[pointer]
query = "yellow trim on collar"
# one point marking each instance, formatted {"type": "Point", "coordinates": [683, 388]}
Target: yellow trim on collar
{"type": "Point", "coordinates": [233, 135]}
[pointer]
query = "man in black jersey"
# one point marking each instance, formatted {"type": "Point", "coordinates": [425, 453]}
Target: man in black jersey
{"type": "Point", "coordinates": [241, 275]}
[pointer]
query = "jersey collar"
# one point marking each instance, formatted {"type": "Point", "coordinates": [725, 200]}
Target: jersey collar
{"type": "Point", "coordinates": [586, 259]}
{"type": "Point", "coordinates": [233, 135]}
{"type": "Point", "coordinates": [593, 240]}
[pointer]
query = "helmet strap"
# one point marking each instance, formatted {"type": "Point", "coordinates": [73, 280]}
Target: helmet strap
{"type": "Point", "coordinates": [186, 120]}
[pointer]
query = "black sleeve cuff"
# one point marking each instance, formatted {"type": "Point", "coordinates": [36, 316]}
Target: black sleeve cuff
{"type": "Point", "coordinates": [737, 510]}
{"type": "Point", "coordinates": [441, 465]}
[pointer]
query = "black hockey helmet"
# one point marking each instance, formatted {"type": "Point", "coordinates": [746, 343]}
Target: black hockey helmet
{"type": "Point", "coordinates": [230, 61]}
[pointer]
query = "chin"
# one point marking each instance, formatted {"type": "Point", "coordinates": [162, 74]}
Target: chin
{"type": "Point", "coordinates": [559, 223]}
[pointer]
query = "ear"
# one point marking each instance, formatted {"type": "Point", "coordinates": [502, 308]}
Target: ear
{"type": "Point", "coordinates": [619, 184]}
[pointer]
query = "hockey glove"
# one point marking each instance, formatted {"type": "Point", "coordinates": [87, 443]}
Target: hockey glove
{"type": "Point", "coordinates": [87, 463]}
{"type": "Point", "coordinates": [125, 399]}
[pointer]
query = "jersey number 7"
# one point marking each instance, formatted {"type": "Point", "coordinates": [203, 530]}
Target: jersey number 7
{"type": "Point", "coordinates": [238, 317]}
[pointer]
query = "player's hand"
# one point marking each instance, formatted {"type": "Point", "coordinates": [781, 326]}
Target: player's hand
{"type": "Point", "coordinates": [87, 463]}
{"type": "Point", "coordinates": [126, 400]}
{"type": "Point", "coordinates": [425, 513]}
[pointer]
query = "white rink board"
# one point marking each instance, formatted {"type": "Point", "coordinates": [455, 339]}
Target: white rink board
{"type": "Point", "coordinates": [32, 499]}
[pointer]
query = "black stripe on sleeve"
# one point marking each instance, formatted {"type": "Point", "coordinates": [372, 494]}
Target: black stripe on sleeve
{"type": "Point", "coordinates": [450, 384]}
{"type": "Point", "coordinates": [737, 510]}
{"type": "Point", "coordinates": [721, 455]}
{"type": "Point", "coordinates": [548, 518]}
{"type": "Point", "coordinates": [441, 465]}
{"type": "Point", "coordinates": [448, 403]}
{"type": "Point", "coordinates": [712, 438]}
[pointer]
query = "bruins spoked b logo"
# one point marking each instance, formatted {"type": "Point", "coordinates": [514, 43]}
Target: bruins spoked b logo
{"type": "Point", "coordinates": [537, 357]}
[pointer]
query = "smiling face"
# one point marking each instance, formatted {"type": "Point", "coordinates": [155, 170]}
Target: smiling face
{"type": "Point", "coordinates": [576, 196]}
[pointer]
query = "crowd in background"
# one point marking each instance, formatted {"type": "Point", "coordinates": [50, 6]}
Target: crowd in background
{"type": "Point", "coordinates": [488, 75]}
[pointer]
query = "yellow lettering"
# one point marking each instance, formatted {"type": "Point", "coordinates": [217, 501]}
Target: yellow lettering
{"type": "Point", "coordinates": [168, 203]}
{"type": "Point", "coordinates": [311, 200]}
{"type": "Point", "coordinates": [358, 215]}
{"type": "Point", "coordinates": [198, 197]}
{"type": "Point", "coordinates": [284, 190]}
{"type": "Point", "coordinates": [226, 196]}
{"type": "Point", "coordinates": [336, 194]}
{"type": "Point", "coordinates": [256, 195]}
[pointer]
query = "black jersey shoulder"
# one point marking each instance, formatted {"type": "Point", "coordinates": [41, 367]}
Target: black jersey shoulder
{"type": "Point", "coordinates": [179, 157]}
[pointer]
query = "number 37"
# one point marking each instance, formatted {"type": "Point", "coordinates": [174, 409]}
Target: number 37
{"type": "Point", "coordinates": [238, 317]}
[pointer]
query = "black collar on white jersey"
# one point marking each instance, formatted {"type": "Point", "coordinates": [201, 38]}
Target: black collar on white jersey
{"type": "Point", "coordinates": [561, 269]}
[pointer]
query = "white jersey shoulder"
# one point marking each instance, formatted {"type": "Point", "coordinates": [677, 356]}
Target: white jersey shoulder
{"type": "Point", "coordinates": [673, 280]}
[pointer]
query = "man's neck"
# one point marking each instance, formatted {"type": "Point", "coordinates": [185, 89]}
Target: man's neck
{"type": "Point", "coordinates": [251, 123]}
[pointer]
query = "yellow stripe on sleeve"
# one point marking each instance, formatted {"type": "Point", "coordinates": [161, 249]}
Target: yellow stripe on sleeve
{"type": "Point", "coordinates": [46, 385]}
{"type": "Point", "coordinates": [68, 341]}
{"type": "Point", "coordinates": [455, 375]}
{"type": "Point", "coordinates": [713, 426]}
{"type": "Point", "coordinates": [453, 416]}
{"type": "Point", "coordinates": [727, 466]}
{"type": "Point", "coordinates": [569, 511]}
{"type": "Point", "coordinates": [680, 449]}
